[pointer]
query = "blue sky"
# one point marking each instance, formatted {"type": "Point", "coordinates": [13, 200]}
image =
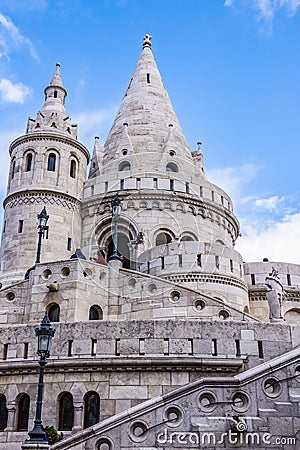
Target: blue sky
{"type": "Point", "coordinates": [232, 70]}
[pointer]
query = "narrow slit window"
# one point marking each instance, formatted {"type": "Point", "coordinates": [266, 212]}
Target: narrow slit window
{"type": "Point", "coordinates": [5, 350]}
{"type": "Point", "coordinates": [190, 346]}
{"type": "Point", "coordinates": [166, 346]}
{"type": "Point", "coordinates": [70, 345]}
{"type": "Point", "coordinates": [69, 244]}
{"type": "Point", "coordinates": [28, 165]}
{"type": "Point", "coordinates": [51, 162]}
{"type": "Point", "coordinates": [180, 260]}
{"type": "Point", "coordinates": [141, 346]}
{"type": "Point", "coordinates": [25, 352]}
{"type": "Point", "coordinates": [237, 347]}
{"type": "Point", "coordinates": [13, 169]}
{"type": "Point", "coordinates": [73, 168]}
{"type": "Point", "coordinates": [231, 265]}
{"type": "Point", "coordinates": [117, 347]}
{"type": "Point", "coordinates": [260, 349]}
{"type": "Point", "coordinates": [171, 185]}
{"type": "Point", "coordinates": [214, 350]}
{"type": "Point", "coordinates": [155, 183]}
{"type": "Point", "coordinates": [252, 279]}
{"type": "Point", "coordinates": [217, 262]}
{"type": "Point", "coordinates": [199, 261]}
{"type": "Point", "coordinates": [148, 78]}
{"type": "Point", "coordinates": [162, 259]}
{"type": "Point", "coordinates": [20, 226]}
{"type": "Point", "coordinates": [288, 279]}
{"type": "Point", "coordinates": [187, 188]}
{"type": "Point", "coordinates": [94, 347]}
{"type": "Point", "coordinates": [121, 185]}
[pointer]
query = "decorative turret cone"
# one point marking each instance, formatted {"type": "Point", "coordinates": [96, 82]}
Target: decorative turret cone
{"type": "Point", "coordinates": [148, 111]}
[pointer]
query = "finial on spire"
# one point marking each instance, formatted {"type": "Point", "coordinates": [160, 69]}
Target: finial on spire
{"type": "Point", "coordinates": [56, 79]}
{"type": "Point", "coordinates": [147, 41]}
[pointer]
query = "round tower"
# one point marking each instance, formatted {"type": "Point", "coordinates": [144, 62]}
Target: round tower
{"type": "Point", "coordinates": [175, 224]}
{"type": "Point", "coordinates": [47, 168]}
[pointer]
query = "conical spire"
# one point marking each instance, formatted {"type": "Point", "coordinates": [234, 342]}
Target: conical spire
{"type": "Point", "coordinates": [53, 115]}
{"type": "Point", "coordinates": [56, 79]}
{"type": "Point", "coordinates": [148, 111]}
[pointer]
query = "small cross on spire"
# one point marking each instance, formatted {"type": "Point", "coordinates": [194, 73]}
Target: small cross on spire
{"type": "Point", "coordinates": [147, 41]}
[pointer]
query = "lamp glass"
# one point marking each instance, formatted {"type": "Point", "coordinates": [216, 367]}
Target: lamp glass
{"type": "Point", "coordinates": [43, 344]}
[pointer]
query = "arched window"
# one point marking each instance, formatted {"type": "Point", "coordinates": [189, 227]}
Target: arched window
{"type": "Point", "coordinates": [95, 313]}
{"type": "Point", "coordinates": [13, 168]}
{"type": "Point", "coordinates": [171, 167]}
{"type": "Point", "coordinates": [73, 168]}
{"type": "Point", "coordinates": [51, 162]}
{"type": "Point", "coordinates": [28, 163]}
{"type": "Point", "coordinates": [186, 238]}
{"type": "Point", "coordinates": [53, 312]}
{"type": "Point", "coordinates": [66, 412]}
{"type": "Point", "coordinates": [3, 413]}
{"type": "Point", "coordinates": [163, 238]}
{"type": "Point", "coordinates": [91, 409]}
{"type": "Point", "coordinates": [23, 413]}
{"type": "Point", "coordinates": [125, 165]}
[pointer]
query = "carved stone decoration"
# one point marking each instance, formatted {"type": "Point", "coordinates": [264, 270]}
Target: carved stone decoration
{"type": "Point", "coordinates": [274, 296]}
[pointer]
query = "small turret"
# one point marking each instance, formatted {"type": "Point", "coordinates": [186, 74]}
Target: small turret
{"type": "Point", "coordinates": [48, 168]}
{"type": "Point", "coordinates": [53, 115]}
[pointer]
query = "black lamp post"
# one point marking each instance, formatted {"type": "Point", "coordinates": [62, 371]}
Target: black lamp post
{"type": "Point", "coordinates": [42, 226]}
{"type": "Point", "coordinates": [116, 208]}
{"type": "Point", "coordinates": [44, 335]}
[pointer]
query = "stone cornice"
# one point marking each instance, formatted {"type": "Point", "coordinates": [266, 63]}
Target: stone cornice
{"type": "Point", "coordinates": [202, 206]}
{"type": "Point", "coordinates": [207, 364]}
{"type": "Point", "coordinates": [206, 278]}
{"type": "Point", "coordinates": [40, 192]}
{"type": "Point", "coordinates": [52, 136]}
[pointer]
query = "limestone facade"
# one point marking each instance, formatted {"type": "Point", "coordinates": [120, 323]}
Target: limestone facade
{"type": "Point", "coordinates": [170, 341]}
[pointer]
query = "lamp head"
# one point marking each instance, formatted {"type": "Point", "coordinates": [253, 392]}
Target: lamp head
{"type": "Point", "coordinates": [44, 335]}
{"type": "Point", "coordinates": [43, 218]}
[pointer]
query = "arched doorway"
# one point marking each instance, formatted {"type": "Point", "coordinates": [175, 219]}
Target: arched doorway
{"type": "Point", "coordinates": [122, 250]}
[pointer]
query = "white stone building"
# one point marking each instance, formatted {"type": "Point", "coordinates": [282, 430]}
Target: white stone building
{"type": "Point", "coordinates": [169, 339]}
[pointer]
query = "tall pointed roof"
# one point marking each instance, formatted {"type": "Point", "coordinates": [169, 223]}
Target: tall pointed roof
{"type": "Point", "coordinates": [147, 110]}
{"type": "Point", "coordinates": [56, 79]}
{"type": "Point", "coordinates": [53, 114]}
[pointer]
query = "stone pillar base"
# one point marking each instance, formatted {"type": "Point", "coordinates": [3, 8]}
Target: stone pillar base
{"type": "Point", "coordinates": [39, 445]}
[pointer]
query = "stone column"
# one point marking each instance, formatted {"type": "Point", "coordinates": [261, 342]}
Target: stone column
{"type": "Point", "coordinates": [113, 288]}
{"type": "Point", "coordinates": [11, 417]}
{"type": "Point", "coordinates": [78, 409]}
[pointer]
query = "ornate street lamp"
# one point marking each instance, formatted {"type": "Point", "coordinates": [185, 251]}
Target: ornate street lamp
{"type": "Point", "coordinates": [116, 208]}
{"type": "Point", "coordinates": [42, 226]}
{"type": "Point", "coordinates": [44, 335]}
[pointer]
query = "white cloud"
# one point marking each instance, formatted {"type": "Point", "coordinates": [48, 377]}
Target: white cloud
{"type": "Point", "coordinates": [94, 123]}
{"type": "Point", "coordinates": [11, 37]}
{"type": "Point", "coordinates": [233, 179]}
{"type": "Point", "coordinates": [13, 93]}
{"type": "Point", "coordinates": [270, 203]}
{"type": "Point", "coordinates": [278, 242]}
{"type": "Point", "coordinates": [267, 9]}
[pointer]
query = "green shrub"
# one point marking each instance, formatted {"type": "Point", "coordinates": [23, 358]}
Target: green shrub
{"type": "Point", "coordinates": [52, 434]}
